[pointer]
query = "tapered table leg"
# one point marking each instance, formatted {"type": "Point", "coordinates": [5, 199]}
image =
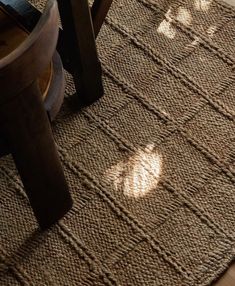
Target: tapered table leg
{"type": "Point", "coordinates": [25, 125]}
{"type": "Point", "coordinates": [81, 48]}
{"type": "Point", "coordinates": [99, 11]}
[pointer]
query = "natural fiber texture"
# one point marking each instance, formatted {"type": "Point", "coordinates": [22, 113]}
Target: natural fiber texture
{"type": "Point", "coordinates": [151, 166]}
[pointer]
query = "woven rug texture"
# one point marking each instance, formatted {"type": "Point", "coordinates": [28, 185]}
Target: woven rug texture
{"type": "Point", "coordinates": [151, 165]}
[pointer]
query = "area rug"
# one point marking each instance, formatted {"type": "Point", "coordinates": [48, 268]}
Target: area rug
{"type": "Point", "coordinates": [151, 165]}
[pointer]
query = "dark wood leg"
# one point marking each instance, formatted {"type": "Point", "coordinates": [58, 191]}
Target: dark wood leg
{"type": "Point", "coordinates": [81, 49]}
{"type": "Point", "coordinates": [99, 11]}
{"type": "Point", "coordinates": [26, 127]}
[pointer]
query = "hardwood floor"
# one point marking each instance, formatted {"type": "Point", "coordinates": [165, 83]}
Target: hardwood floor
{"type": "Point", "coordinates": [228, 279]}
{"type": "Point", "coordinates": [231, 2]}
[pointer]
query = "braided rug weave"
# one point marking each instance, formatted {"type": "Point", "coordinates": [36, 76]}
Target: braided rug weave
{"type": "Point", "coordinates": [151, 166]}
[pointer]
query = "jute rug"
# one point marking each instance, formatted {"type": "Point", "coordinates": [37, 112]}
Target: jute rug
{"type": "Point", "coordinates": [151, 166]}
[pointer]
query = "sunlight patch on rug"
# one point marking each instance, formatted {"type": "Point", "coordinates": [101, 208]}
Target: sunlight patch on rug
{"type": "Point", "coordinates": [202, 5]}
{"type": "Point", "coordinates": [184, 16]}
{"type": "Point", "coordinates": [211, 30]}
{"type": "Point", "coordinates": [139, 174]}
{"type": "Point", "coordinates": [166, 29]}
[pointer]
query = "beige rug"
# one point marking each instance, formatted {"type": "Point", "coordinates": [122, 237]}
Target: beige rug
{"type": "Point", "coordinates": [151, 166]}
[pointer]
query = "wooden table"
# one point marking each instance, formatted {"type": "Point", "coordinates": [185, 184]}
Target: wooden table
{"type": "Point", "coordinates": [76, 43]}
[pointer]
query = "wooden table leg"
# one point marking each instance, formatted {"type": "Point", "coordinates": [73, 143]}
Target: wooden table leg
{"type": "Point", "coordinates": [99, 11]}
{"type": "Point", "coordinates": [25, 125]}
{"type": "Point", "coordinates": [81, 49]}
